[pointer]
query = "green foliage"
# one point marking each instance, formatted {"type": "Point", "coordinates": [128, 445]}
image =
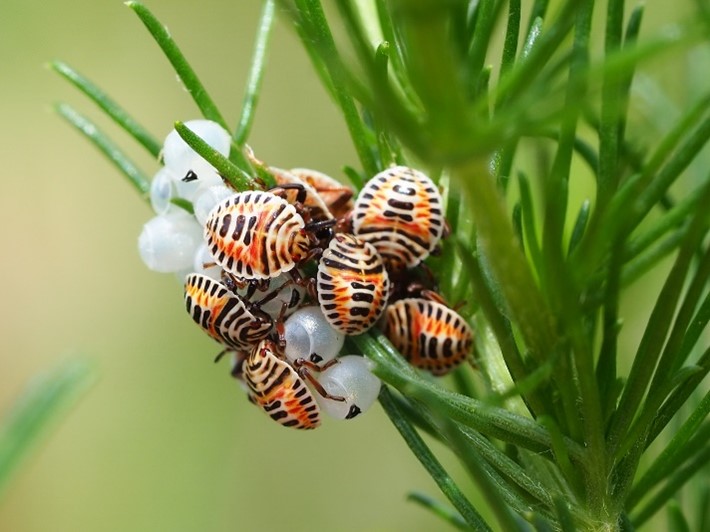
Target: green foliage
{"type": "Point", "coordinates": [44, 400]}
{"type": "Point", "coordinates": [557, 435]}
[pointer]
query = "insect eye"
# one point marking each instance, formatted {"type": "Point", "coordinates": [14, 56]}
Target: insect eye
{"type": "Point", "coordinates": [351, 378]}
{"type": "Point", "coordinates": [307, 332]}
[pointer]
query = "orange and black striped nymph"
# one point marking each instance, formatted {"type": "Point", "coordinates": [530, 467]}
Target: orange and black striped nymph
{"type": "Point", "coordinates": [399, 211]}
{"type": "Point", "coordinates": [256, 235]}
{"type": "Point", "coordinates": [353, 284]}
{"type": "Point", "coordinates": [224, 315]}
{"type": "Point", "coordinates": [276, 387]}
{"type": "Point", "coordinates": [430, 335]}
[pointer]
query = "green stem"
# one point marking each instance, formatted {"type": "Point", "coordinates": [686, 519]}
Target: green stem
{"type": "Point", "coordinates": [183, 69]}
{"type": "Point", "coordinates": [500, 326]}
{"type": "Point", "coordinates": [674, 483]}
{"type": "Point", "coordinates": [317, 37]}
{"type": "Point", "coordinates": [490, 420]}
{"type": "Point", "coordinates": [654, 336]}
{"type": "Point", "coordinates": [447, 514]}
{"type": "Point", "coordinates": [674, 454]}
{"type": "Point", "coordinates": [135, 177]}
{"type": "Point", "coordinates": [497, 241]}
{"type": "Point", "coordinates": [231, 173]}
{"type": "Point", "coordinates": [41, 403]}
{"type": "Point", "coordinates": [431, 464]}
{"type": "Point", "coordinates": [112, 109]}
{"type": "Point", "coordinates": [256, 73]}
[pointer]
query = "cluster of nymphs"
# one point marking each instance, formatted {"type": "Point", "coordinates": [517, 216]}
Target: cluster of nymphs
{"type": "Point", "coordinates": [279, 277]}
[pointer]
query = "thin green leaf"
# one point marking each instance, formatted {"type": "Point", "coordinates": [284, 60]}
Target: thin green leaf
{"type": "Point", "coordinates": [492, 421]}
{"type": "Point", "coordinates": [528, 211]}
{"type": "Point", "coordinates": [451, 516]}
{"type": "Point", "coordinates": [672, 219]}
{"type": "Point", "coordinates": [678, 397]}
{"type": "Point", "coordinates": [486, 16]}
{"type": "Point", "coordinates": [633, 27]}
{"type": "Point", "coordinates": [676, 519]}
{"type": "Point", "coordinates": [508, 468]}
{"type": "Point", "coordinates": [537, 14]}
{"type": "Point", "coordinates": [692, 334]}
{"type": "Point", "coordinates": [675, 453]}
{"type": "Point", "coordinates": [533, 35]}
{"type": "Point", "coordinates": [646, 260]}
{"type": "Point", "coordinates": [317, 37]}
{"type": "Point", "coordinates": [658, 186]}
{"type": "Point", "coordinates": [611, 110]}
{"type": "Point", "coordinates": [135, 177]}
{"type": "Point", "coordinates": [431, 464]}
{"type": "Point", "coordinates": [184, 204]}
{"type": "Point", "coordinates": [112, 109]}
{"type": "Point", "coordinates": [256, 72]}
{"type": "Point", "coordinates": [654, 336]}
{"type": "Point", "coordinates": [564, 515]}
{"type": "Point", "coordinates": [512, 34]}
{"type": "Point", "coordinates": [580, 225]}
{"type": "Point", "coordinates": [499, 324]}
{"type": "Point", "coordinates": [675, 482]}
{"type": "Point", "coordinates": [44, 400]}
{"type": "Point", "coordinates": [703, 507]}
{"type": "Point", "coordinates": [496, 240]}
{"type": "Point", "coordinates": [389, 32]}
{"type": "Point", "coordinates": [231, 173]}
{"type": "Point", "coordinates": [500, 494]}
{"type": "Point", "coordinates": [676, 339]}
{"type": "Point", "coordinates": [183, 69]}
{"type": "Point", "coordinates": [562, 457]}
{"type": "Point", "coordinates": [642, 191]}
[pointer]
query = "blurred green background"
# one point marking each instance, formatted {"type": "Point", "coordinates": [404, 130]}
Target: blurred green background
{"type": "Point", "coordinates": [164, 440]}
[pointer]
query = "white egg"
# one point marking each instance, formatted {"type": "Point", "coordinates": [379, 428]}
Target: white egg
{"type": "Point", "coordinates": [207, 197]}
{"type": "Point", "coordinates": [310, 336]}
{"type": "Point", "coordinates": [180, 158]}
{"type": "Point", "coordinates": [352, 379]}
{"type": "Point", "coordinates": [287, 292]}
{"type": "Point", "coordinates": [191, 188]}
{"type": "Point", "coordinates": [162, 190]}
{"type": "Point", "coordinates": [168, 242]}
{"type": "Point", "coordinates": [204, 263]}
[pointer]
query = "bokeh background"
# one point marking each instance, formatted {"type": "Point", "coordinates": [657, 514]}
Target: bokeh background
{"type": "Point", "coordinates": [163, 440]}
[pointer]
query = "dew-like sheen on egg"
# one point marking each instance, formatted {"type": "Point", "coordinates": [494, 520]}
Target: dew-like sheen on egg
{"type": "Point", "coordinates": [351, 378]}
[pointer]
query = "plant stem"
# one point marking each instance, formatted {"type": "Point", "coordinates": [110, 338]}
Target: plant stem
{"type": "Point", "coordinates": [136, 178]}
{"type": "Point", "coordinates": [431, 464]}
{"type": "Point", "coordinates": [256, 73]}
{"type": "Point", "coordinates": [183, 69]}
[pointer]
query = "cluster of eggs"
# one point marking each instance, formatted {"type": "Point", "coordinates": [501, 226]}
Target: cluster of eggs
{"type": "Point", "coordinates": [279, 277]}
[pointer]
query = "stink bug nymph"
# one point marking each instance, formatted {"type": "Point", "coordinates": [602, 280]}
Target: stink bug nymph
{"type": "Point", "coordinates": [224, 315]}
{"type": "Point", "coordinates": [399, 211]}
{"type": "Point", "coordinates": [256, 235]}
{"type": "Point", "coordinates": [430, 335]}
{"type": "Point", "coordinates": [353, 284]}
{"type": "Point", "coordinates": [280, 389]}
